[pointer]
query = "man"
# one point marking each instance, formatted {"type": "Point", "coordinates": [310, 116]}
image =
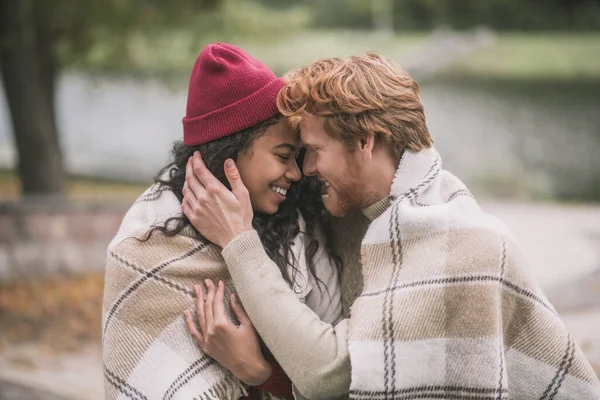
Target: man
{"type": "Point", "coordinates": [445, 308]}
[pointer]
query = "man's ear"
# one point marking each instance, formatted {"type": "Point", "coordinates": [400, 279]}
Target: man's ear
{"type": "Point", "coordinates": [367, 144]}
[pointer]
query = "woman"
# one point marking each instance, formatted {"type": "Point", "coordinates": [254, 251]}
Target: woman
{"type": "Point", "coordinates": [231, 114]}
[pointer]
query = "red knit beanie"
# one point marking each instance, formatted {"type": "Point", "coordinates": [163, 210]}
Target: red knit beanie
{"type": "Point", "coordinates": [229, 91]}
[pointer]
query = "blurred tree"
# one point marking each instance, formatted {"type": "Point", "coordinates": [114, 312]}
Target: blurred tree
{"type": "Point", "coordinates": [383, 16]}
{"type": "Point", "coordinates": [28, 70]}
{"type": "Point", "coordinates": [457, 14]}
{"type": "Point", "coordinates": [420, 14]}
{"type": "Point", "coordinates": [342, 13]}
{"type": "Point", "coordinates": [39, 37]}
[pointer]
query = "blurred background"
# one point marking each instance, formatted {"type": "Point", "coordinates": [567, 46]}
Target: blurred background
{"type": "Point", "coordinates": [92, 99]}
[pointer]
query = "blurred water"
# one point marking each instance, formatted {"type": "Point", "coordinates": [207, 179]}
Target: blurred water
{"type": "Point", "coordinates": [111, 128]}
{"type": "Point", "coordinates": [521, 139]}
{"type": "Point", "coordinates": [503, 139]}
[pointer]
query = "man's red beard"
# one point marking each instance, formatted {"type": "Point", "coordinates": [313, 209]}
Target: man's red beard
{"type": "Point", "coordinates": [349, 196]}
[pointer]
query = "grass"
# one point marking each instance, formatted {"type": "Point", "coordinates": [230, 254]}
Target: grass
{"type": "Point", "coordinates": [77, 188]}
{"type": "Point", "coordinates": [535, 56]}
{"type": "Point", "coordinates": [304, 47]}
{"type": "Point", "coordinates": [173, 56]}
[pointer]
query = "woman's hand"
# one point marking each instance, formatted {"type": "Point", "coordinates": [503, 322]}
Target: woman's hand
{"type": "Point", "coordinates": [218, 214]}
{"type": "Point", "coordinates": [234, 347]}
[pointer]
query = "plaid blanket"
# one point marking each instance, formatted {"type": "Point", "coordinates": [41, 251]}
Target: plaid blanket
{"type": "Point", "coordinates": [448, 309]}
{"type": "Point", "coordinates": [147, 350]}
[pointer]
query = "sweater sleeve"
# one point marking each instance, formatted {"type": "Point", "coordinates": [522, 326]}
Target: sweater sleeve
{"type": "Point", "coordinates": [290, 329]}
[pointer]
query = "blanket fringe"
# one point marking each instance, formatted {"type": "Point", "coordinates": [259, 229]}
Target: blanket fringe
{"type": "Point", "coordinates": [226, 389]}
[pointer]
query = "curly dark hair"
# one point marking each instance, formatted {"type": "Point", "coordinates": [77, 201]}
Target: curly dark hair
{"type": "Point", "coordinates": [276, 231]}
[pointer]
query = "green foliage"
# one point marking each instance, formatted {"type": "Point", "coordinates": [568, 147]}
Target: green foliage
{"type": "Point", "coordinates": [116, 35]}
{"type": "Point", "coordinates": [78, 26]}
{"type": "Point", "coordinates": [158, 37]}
{"type": "Point", "coordinates": [460, 14]}
{"type": "Point", "coordinates": [342, 13]}
{"type": "Point", "coordinates": [243, 18]}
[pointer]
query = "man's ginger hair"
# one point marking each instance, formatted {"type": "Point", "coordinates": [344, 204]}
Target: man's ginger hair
{"type": "Point", "coordinates": [357, 96]}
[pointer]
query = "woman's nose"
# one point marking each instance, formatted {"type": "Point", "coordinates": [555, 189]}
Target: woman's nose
{"type": "Point", "coordinates": [293, 172]}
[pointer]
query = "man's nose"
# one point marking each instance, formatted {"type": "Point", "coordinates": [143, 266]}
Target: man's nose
{"type": "Point", "coordinates": [308, 166]}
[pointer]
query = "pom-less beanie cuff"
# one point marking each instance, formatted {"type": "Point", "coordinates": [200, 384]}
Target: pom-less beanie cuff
{"type": "Point", "coordinates": [244, 113]}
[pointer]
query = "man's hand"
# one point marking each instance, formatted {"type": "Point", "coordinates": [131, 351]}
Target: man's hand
{"type": "Point", "coordinates": [234, 347]}
{"type": "Point", "coordinates": [218, 214]}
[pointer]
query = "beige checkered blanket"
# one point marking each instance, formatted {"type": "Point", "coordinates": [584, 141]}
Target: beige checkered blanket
{"type": "Point", "coordinates": [147, 350]}
{"type": "Point", "coordinates": [449, 310]}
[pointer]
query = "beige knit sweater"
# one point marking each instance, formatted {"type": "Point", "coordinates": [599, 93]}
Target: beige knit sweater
{"type": "Point", "coordinates": [313, 353]}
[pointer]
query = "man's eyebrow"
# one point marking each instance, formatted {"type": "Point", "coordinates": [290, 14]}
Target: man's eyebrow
{"type": "Point", "coordinates": [289, 146]}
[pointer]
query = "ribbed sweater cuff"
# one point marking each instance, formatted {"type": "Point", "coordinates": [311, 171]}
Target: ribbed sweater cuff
{"type": "Point", "coordinates": [245, 252]}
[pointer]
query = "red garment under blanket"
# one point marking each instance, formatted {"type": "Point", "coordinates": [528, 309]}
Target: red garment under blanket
{"type": "Point", "coordinates": [278, 384]}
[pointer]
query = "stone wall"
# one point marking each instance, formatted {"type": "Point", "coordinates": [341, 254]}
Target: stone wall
{"type": "Point", "coordinates": [48, 237]}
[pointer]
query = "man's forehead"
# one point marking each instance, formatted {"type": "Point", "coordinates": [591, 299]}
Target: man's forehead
{"type": "Point", "coordinates": [310, 120]}
{"type": "Point", "coordinates": [310, 129]}
{"type": "Point", "coordinates": [308, 138]}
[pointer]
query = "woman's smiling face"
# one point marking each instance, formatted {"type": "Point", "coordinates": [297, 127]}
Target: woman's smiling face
{"type": "Point", "coordinates": [269, 166]}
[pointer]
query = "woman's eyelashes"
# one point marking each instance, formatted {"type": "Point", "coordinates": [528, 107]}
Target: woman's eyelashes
{"type": "Point", "coordinates": [287, 156]}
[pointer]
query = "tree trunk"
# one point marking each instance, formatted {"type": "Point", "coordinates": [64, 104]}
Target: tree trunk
{"type": "Point", "coordinates": [47, 57]}
{"type": "Point", "coordinates": [28, 74]}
